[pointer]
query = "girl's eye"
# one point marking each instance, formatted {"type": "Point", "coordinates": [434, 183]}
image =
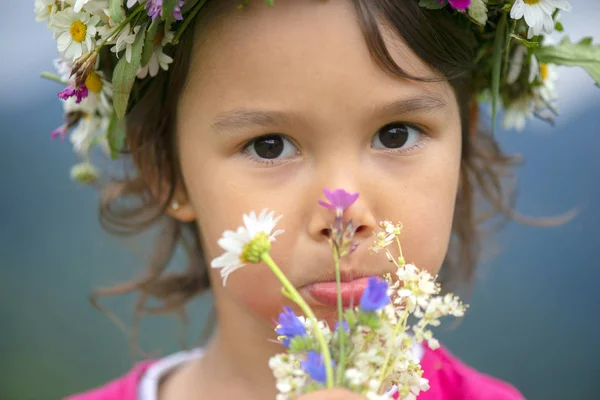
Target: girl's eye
{"type": "Point", "coordinates": [396, 136]}
{"type": "Point", "coordinates": [270, 147]}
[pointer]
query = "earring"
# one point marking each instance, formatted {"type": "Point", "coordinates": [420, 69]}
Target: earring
{"type": "Point", "coordinates": [175, 205]}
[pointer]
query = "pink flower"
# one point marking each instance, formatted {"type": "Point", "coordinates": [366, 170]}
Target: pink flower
{"type": "Point", "coordinates": [60, 131]}
{"type": "Point", "coordinates": [461, 5]}
{"type": "Point", "coordinates": [80, 92]}
{"type": "Point", "coordinates": [339, 200]}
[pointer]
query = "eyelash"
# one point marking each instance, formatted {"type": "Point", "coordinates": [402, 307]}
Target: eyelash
{"type": "Point", "coordinates": [424, 137]}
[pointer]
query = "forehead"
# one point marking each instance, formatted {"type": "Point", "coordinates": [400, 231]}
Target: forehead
{"type": "Point", "coordinates": [299, 53]}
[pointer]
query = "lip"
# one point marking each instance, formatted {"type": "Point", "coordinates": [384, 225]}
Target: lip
{"type": "Point", "coordinates": [326, 292]}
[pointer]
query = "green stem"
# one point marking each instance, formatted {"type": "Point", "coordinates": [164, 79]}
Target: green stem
{"type": "Point", "coordinates": [52, 77]}
{"type": "Point", "coordinates": [266, 258]}
{"type": "Point", "coordinates": [384, 371]}
{"type": "Point", "coordinates": [341, 335]}
{"type": "Point", "coordinates": [188, 20]}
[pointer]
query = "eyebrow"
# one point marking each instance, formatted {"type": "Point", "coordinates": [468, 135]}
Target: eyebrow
{"type": "Point", "coordinates": [241, 118]}
{"type": "Point", "coordinates": [427, 102]}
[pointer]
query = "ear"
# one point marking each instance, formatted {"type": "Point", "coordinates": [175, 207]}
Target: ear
{"type": "Point", "coordinates": [181, 208]}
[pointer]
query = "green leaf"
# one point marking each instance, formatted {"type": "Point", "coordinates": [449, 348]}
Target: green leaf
{"type": "Point", "coordinates": [525, 42]}
{"type": "Point", "coordinates": [499, 43]}
{"type": "Point", "coordinates": [168, 6]}
{"type": "Point", "coordinates": [125, 73]}
{"type": "Point", "coordinates": [559, 27]}
{"type": "Point", "coordinates": [432, 4]}
{"type": "Point", "coordinates": [116, 135]}
{"type": "Point", "coordinates": [115, 9]}
{"type": "Point", "coordinates": [149, 42]}
{"type": "Point", "coordinates": [583, 54]}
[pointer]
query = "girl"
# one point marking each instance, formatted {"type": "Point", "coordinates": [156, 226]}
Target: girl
{"type": "Point", "coordinates": [264, 107]}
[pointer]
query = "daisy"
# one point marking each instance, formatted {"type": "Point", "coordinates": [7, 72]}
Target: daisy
{"type": "Point", "coordinates": [158, 60]}
{"type": "Point", "coordinates": [44, 9]}
{"type": "Point", "coordinates": [75, 32]}
{"type": "Point", "coordinates": [124, 41]}
{"type": "Point", "coordinates": [247, 243]}
{"type": "Point", "coordinates": [518, 112]}
{"type": "Point", "coordinates": [90, 130]}
{"type": "Point", "coordinates": [91, 6]}
{"type": "Point", "coordinates": [538, 14]}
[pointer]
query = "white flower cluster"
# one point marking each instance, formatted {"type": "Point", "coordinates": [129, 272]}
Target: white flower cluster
{"type": "Point", "coordinates": [380, 358]}
{"type": "Point", "coordinates": [80, 28]}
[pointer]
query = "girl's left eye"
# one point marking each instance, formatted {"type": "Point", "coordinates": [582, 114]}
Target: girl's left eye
{"type": "Point", "coordinates": [396, 135]}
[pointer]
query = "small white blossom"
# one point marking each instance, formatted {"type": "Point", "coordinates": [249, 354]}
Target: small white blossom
{"type": "Point", "coordinates": [159, 60]}
{"type": "Point", "coordinates": [75, 32]}
{"type": "Point", "coordinates": [538, 14]}
{"type": "Point", "coordinates": [235, 242]}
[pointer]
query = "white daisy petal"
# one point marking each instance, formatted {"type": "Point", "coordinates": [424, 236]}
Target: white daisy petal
{"type": "Point", "coordinates": [235, 242]}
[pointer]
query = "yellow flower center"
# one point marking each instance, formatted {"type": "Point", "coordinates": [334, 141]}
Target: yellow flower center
{"type": "Point", "coordinates": [94, 83]}
{"type": "Point", "coordinates": [544, 71]}
{"type": "Point", "coordinates": [50, 8]}
{"type": "Point", "coordinates": [253, 251]}
{"type": "Point", "coordinates": [78, 31]}
{"type": "Point", "coordinates": [532, 2]}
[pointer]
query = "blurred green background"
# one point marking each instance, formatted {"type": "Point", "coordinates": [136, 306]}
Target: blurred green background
{"type": "Point", "coordinates": [534, 317]}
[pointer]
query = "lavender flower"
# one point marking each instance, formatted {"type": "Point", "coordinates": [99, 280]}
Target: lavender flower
{"type": "Point", "coordinates": [79, 92]}
{"type": "Point", "coordinates": [155, 8]}
{"type": "Point", "coordinates": [290, 326]}
{"type": "Point", "coordinates": [339, 200]}
{"type": "Point", "coordinates": [375, 295]}
{"type": "Point", "coordinates": [315, 367]}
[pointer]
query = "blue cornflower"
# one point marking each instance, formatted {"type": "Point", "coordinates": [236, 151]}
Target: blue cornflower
{"type": "Point", "coordinates": [375, 295]}
{"type": "Point", "coordinates": [315, 367]}
{"type": "Point", "coordinates": [290, 326]}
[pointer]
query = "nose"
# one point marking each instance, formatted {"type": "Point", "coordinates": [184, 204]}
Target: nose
{"type": "Point", "coordinates": [358, 212]}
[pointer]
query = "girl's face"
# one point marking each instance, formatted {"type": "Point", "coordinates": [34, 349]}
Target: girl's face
{"type": "Point", "coordinates": [283, 102]}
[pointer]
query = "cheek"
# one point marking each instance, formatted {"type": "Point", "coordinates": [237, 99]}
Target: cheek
{"type": "Point", "coordinates": [424, 205]}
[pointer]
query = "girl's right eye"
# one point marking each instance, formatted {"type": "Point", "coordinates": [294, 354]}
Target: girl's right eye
{"type": "Point", "coordinates": [270, 148]}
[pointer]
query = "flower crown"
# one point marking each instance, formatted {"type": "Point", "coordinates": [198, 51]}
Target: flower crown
{"type": "Point", "coordinates": [109, 49]}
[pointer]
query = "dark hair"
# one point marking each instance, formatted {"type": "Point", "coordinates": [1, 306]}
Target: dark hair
{"type": "Point", "coordinates": [441, 39]}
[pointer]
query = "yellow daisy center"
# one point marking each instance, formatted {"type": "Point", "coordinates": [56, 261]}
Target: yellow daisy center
{"type": "Point", "coordinates": [532, 2]}
{"type": "Point", "coordinates": [94, 83]}
{"type": "Point", "coordinates": [78, 31]}
{"type": "Point", "coordinates": [544, 71]}
{"type": "Point", "coordinates": [253, 251]}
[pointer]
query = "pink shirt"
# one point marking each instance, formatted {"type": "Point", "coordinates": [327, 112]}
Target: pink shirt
{"type": "Point", "coordinates": [449, 379]}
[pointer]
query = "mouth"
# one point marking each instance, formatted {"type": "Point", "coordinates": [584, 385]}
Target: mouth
{"type": "Point", "coordinates": [326, 294]}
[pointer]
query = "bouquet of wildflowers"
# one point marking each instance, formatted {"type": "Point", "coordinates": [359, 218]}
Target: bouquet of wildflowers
{"type": "Point", "coordinates": [370, 350]}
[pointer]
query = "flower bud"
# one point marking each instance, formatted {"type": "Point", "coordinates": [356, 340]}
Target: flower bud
{"type": "Point", "coordinates": [84, 173]}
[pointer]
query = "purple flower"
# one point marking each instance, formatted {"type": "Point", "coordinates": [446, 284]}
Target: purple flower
{"type": "Point", "coordinates": [291, 326]}
{"type": "Point", "coordinates": [80, 92]}
{"type": "Point", "coordinates": [60, 131]}
{"type": "Point", "coordinates": [339, 200]}
{"type": "Point", "coordinates": [375, 295]}
{"type": "Point", "coordinates": [315, 367]}
{"type": "Point", "coordinates": [461, 5]}
{"type": "Point", "coordinates": [155, 8]}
